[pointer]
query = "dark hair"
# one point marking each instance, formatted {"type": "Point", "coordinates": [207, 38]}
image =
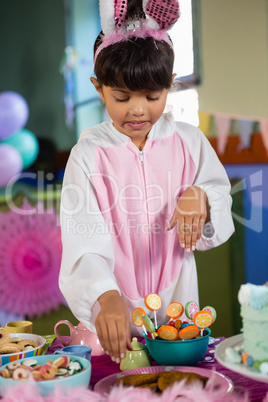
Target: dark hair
{"type": "Point", "coordinates": [137, 63]}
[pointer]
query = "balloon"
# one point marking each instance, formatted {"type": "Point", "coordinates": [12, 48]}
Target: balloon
{"type": "Point", "coordinates": [10, 163]}
{"type": "Point", "coordinates": [25, 142]}
{"type": "Point", "coordinates": [14, 113]}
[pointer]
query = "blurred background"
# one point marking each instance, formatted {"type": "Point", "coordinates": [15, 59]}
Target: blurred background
{"type": "Point", "coordinates": [46, 99]}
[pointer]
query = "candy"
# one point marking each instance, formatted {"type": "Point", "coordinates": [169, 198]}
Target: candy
{"type": "Point", "coordinates": [264, 368]}
{"type": "Point", "coordinates": [232, 356]}
{"type": "Point", "coordinates": [203, 319]}
{"type": "Point", "coordinates": [191, 308]}
{"type": "Point", "coordinates": [153, 302]}
{"type": "Point", "coordinates": [137, 314]}
{"type": "Point", "coordinates": [212, 311]}
{"type": "Point", "coordinates": [189, 332]}
{"type": "Point", "coordinates": [148, 323]}
{"type": "Point", "coordinates": [174, 310]}
{"type": "Point", "coordinates": [167, 332]}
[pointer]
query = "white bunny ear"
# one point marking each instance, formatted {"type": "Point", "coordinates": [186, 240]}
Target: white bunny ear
{"type": "Point", "coordinates": [112, 13]}
{"type": "Point", "coordinates": [164, 13]}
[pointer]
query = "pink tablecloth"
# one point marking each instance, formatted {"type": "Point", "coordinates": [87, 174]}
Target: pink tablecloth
{"type": "Point", "coordinates": [102, 366]}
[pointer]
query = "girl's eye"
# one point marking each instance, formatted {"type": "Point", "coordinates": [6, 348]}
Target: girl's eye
{"type": "Point", "coordinates": [121, 100]}
{"type": "Point", "coordinates": [152, 99]}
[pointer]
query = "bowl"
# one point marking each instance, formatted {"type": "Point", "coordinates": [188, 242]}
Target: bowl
{"type": "Point", "coordinates": [178, 353]}
{"type": "Point", "coordinates": [65, 384]}
{"type": "Point", "coordinates": [7, 358]}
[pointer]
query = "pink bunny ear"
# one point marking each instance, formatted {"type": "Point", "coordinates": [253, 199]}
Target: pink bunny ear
{"type": "Point", "coordinates": [164, 12]}
{"type": "Point", "coordinates": [112, 13]}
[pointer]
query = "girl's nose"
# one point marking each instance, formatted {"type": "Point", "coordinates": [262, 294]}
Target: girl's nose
{"type": "Point", "coordinates": [138, 108]}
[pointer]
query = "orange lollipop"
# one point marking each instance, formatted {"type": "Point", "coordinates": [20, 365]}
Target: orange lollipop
{"type": "Point", "coordinates": [136, 316]}
{"type": "Point", "coordinates": [203, 319]}
{"type": "Point", "coordinates": [167, 332]}
{"type": "Point", "coordinates": [174, 310]}
{"type": "Point", "coordinates": [153, 302]}
{"type": "Point", "coordinates": [189, 332]}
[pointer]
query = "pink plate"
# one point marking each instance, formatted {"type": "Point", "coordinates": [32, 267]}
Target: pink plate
{"type": "Point", "coordinates": [219, 380]}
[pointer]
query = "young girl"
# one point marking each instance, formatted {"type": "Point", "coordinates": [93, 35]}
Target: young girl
{"type": "Point", "coordinates": [129, 182]}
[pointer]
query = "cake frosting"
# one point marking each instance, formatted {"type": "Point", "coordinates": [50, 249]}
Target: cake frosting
{"type": "Point", "coordinates": [254, 312]}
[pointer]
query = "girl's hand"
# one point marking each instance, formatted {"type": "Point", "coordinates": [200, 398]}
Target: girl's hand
{"type": "Point", "coordinates": [113, 325]}
{"type": "Point", "coordinates": [190, 215]}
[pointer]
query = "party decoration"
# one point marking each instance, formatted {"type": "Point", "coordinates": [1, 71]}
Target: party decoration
{"type": "Point", "coordinates": [246, 129]}
{"type": "Point", "coordinates": [10, 163]}
{"type": "Point", "coordinates": [25, 142]}
{"type": "Point", "coordinates": [264, 133]}
{"type": "Point", "coordinates": [30, 256]}
{"type": "Point", "coordinates": [223, 124]}
{"type": "Point", "coordinates": [14, 113]}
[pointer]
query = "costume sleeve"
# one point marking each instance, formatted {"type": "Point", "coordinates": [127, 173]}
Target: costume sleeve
{"type": "Point", "coordinates": [212, 178]}
{"type": "Point", "coordinates": [87, 259]}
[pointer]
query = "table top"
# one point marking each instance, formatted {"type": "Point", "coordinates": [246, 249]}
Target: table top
{"type": "Point", "coordinates": [103, 366]}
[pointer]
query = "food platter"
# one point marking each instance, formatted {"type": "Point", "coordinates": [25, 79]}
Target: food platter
{"type": "Point", "coordinates": [105, 385]}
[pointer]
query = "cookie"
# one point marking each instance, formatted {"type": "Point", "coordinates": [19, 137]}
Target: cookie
{"type": "Point", "coordinates": [9, 348]}
{"type": "Point", "coordinates": [4, 336]}
{"type": "Point", "coordinates": [27, 342]}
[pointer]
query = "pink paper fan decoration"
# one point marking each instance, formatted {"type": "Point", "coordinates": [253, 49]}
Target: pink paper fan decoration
{"type": "Point", "coordinates": [30, 255]}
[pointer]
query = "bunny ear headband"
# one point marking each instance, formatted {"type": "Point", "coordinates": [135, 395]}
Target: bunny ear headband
{"type": "Point", "coordinates": [161, 15]}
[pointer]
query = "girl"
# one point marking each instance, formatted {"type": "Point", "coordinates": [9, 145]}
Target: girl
{"type": "Point", "coordinates": [130, 181]}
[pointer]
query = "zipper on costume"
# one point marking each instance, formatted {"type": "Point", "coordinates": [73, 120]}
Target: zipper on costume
{"type": "Point", "coordinates": [141, 156]}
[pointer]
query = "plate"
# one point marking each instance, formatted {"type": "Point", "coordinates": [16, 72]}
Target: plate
{"type": "Point", "coordinates": [238, 368]}
{"type": "Point", "coordinates": [104, 386]}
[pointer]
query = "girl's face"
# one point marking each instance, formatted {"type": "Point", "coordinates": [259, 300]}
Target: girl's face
{"type": "Point", "coordinates": [133, 112]}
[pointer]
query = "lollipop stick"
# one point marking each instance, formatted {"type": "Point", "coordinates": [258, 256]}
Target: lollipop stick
{"type": "Point", "coordinates": [152, 335]}
{"type": "Point", "coordinates": [201, 332]}
{"type": "Point", "coordinates": [144, 329]}
{"type": "Point", "coordinates": [155, 321]}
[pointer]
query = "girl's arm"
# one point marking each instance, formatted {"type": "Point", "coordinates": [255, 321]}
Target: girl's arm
{"type": "Point", "coordinates": [87, 268]}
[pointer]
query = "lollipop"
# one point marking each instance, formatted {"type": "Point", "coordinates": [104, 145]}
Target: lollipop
{"type": "Point", "coordinates": [212, 311]}
{"type": "Point", "coordinates": [167, 332]}
{"type": "Point", "coordinates": [174, 310]}
{"type": "Point", "coordinates": [148, 324]}
{"type": "Point", "coordinates": [136, 316]}
{"type": "Point", "coordinates": [203, 319]}
{"type": "Point", "coordinates": [153, 302]}
{"type": "Point", "coordinates": [189, 332]}
{"type": "Point", "coordinates": [191, 308]}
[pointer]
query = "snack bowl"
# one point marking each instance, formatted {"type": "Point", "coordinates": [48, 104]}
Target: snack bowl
{"type": "Point", "coordinates": [178, 353]}
{"type": "Point", "coordinates": [64, 383]}
{"type": "Point", "coordinates": [7, 358]}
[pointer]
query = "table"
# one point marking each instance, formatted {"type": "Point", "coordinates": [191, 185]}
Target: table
{"type": "Point", "coordinates": [102, 366]}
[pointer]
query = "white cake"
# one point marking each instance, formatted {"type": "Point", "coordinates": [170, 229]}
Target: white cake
{"type": "Point", "coordinates": [254, 312]}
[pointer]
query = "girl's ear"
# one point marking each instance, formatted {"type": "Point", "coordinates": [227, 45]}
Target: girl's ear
{"type": "Point", "coordinates": [97, 86]}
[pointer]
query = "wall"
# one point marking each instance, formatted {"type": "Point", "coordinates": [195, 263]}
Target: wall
{"type": "Point", "coordinates": [32, 46]}
{"type": "Point", "coordinates": [234, 57]}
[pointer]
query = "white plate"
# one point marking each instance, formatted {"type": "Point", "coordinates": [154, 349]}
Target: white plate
{"type": "Point", "coordinates": [238, 368]}
{"type": "Point", "coordinates": [105, 385]}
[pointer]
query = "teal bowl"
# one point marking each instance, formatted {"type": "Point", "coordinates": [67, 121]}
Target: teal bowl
{"type": "Point", "coordinates": [65, 384]}
{"type": "Point", "coordinates": [178, 353]}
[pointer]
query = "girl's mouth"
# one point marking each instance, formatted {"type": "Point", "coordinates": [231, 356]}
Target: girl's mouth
{"type": "Point", "coordinates": [137, 125]}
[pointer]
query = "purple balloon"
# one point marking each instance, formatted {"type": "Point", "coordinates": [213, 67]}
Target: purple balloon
{"type": "Point", "coordinates": [10, 163]}
{"type": "Point", "coordinates": [14, 113]}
